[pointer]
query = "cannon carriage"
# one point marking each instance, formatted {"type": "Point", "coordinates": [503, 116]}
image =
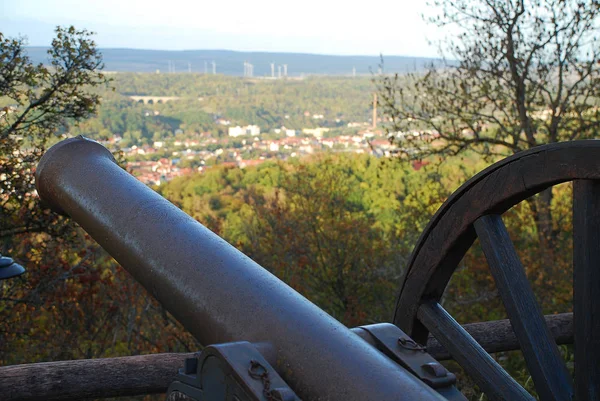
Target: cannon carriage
{"type": "Point", "coordinates": [264, 341]}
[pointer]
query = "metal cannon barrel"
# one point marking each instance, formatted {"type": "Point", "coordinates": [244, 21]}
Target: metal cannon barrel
{"type": "Point", "coordinates": [214, 290]}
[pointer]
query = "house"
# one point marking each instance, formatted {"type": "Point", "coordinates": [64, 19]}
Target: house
{"type": "Point", "coordinates": [417, 164]}
{"type": "Point", "coordinates": [247, 130]}
{"type": "Point", "coordinates": [328, 142]}
{"type": "Point", "coordinates": [236, 131]}
{"type": "Point", "coordinates": [368, 134]}
{"type": "Point", "coordinates": [306, 149]}
{"type": "Point", "coordinates": [316, 132]}
{"type": "Point", "coordinates": [253, 130]}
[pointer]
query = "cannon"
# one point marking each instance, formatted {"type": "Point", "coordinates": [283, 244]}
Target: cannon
{"type": "Point", "coordinates": [264, 341]}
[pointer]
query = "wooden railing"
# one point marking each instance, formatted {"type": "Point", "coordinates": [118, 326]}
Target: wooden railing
{"type": "Point", "coordinates": [152, 374]}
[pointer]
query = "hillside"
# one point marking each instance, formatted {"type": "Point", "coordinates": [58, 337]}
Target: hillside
{"type": "Point", "coordinates": [319, 101]}
{"type": "Point", "coordinates": [232, 62]}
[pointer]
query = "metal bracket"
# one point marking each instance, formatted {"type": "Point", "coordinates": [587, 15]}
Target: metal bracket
{"type": "Point", "coordinates": [403, 350]}
{"type": "Point", "coordinates": [229, 372]}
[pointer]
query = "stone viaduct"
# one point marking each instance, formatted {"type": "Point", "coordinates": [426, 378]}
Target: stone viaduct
{"type": "Point", "coordinates": [153, 99]}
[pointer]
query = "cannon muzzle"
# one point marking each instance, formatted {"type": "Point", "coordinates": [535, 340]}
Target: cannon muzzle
{"type": "Point", "coordinates": [219, 294]}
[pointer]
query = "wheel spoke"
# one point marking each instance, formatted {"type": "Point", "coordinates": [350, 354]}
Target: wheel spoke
{"type": "Point", "coordinates": [479, 365]}
{"type": "Point", "coordinates": [541, 354]}
{"type": "Point", "coordinates": [586, 288]}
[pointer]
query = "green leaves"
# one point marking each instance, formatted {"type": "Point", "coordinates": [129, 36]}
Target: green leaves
{"type": "Point", "coordinates": [41, 100]}
{"type": "Point", "coordinates": [49, 96]}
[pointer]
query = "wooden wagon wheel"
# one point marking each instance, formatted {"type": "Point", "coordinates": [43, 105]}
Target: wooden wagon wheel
{"type": "Point", "coordinates": [474, 211]}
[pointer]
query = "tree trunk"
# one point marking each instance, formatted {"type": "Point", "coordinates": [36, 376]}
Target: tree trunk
{"type": "Point", "coordinates": [547, 237]}
{"type": "Point", "coordinates": [543, 218]}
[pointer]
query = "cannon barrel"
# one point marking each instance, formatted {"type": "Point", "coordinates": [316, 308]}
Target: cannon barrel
{"type": "Point", "coordinates": [218, 293]}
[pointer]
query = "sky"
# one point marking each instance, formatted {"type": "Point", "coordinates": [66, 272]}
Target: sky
{"type": "Point", "coordinates": [390, 27]}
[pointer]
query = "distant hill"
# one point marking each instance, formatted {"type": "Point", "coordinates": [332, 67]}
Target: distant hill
{"type": "Point", "coordinates": [232, 62]}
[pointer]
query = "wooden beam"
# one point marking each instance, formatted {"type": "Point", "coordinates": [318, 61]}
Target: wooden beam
{"type": "Point", "coordinates": [90, 378]}
{"type": "Point", "coordinates": [498, 335]}
{"type": "Point", "coordinates": [485, 371]}
{"type": "Point", "coordinates": [586, 288]}
{"type": "Point", "coordinates": [152, 374]}
{"type": "Point", "coordinates": [547, 369]}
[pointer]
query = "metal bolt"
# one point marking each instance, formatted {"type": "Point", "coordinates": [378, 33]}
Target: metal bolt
{"type": "Point", "coordinates": [410, 344]}
{"type": "Point", "coordinates": [435, 369]}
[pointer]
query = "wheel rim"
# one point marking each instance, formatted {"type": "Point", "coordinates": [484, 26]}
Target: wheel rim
{"type": "Point", "coordinates": [474, 211]}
